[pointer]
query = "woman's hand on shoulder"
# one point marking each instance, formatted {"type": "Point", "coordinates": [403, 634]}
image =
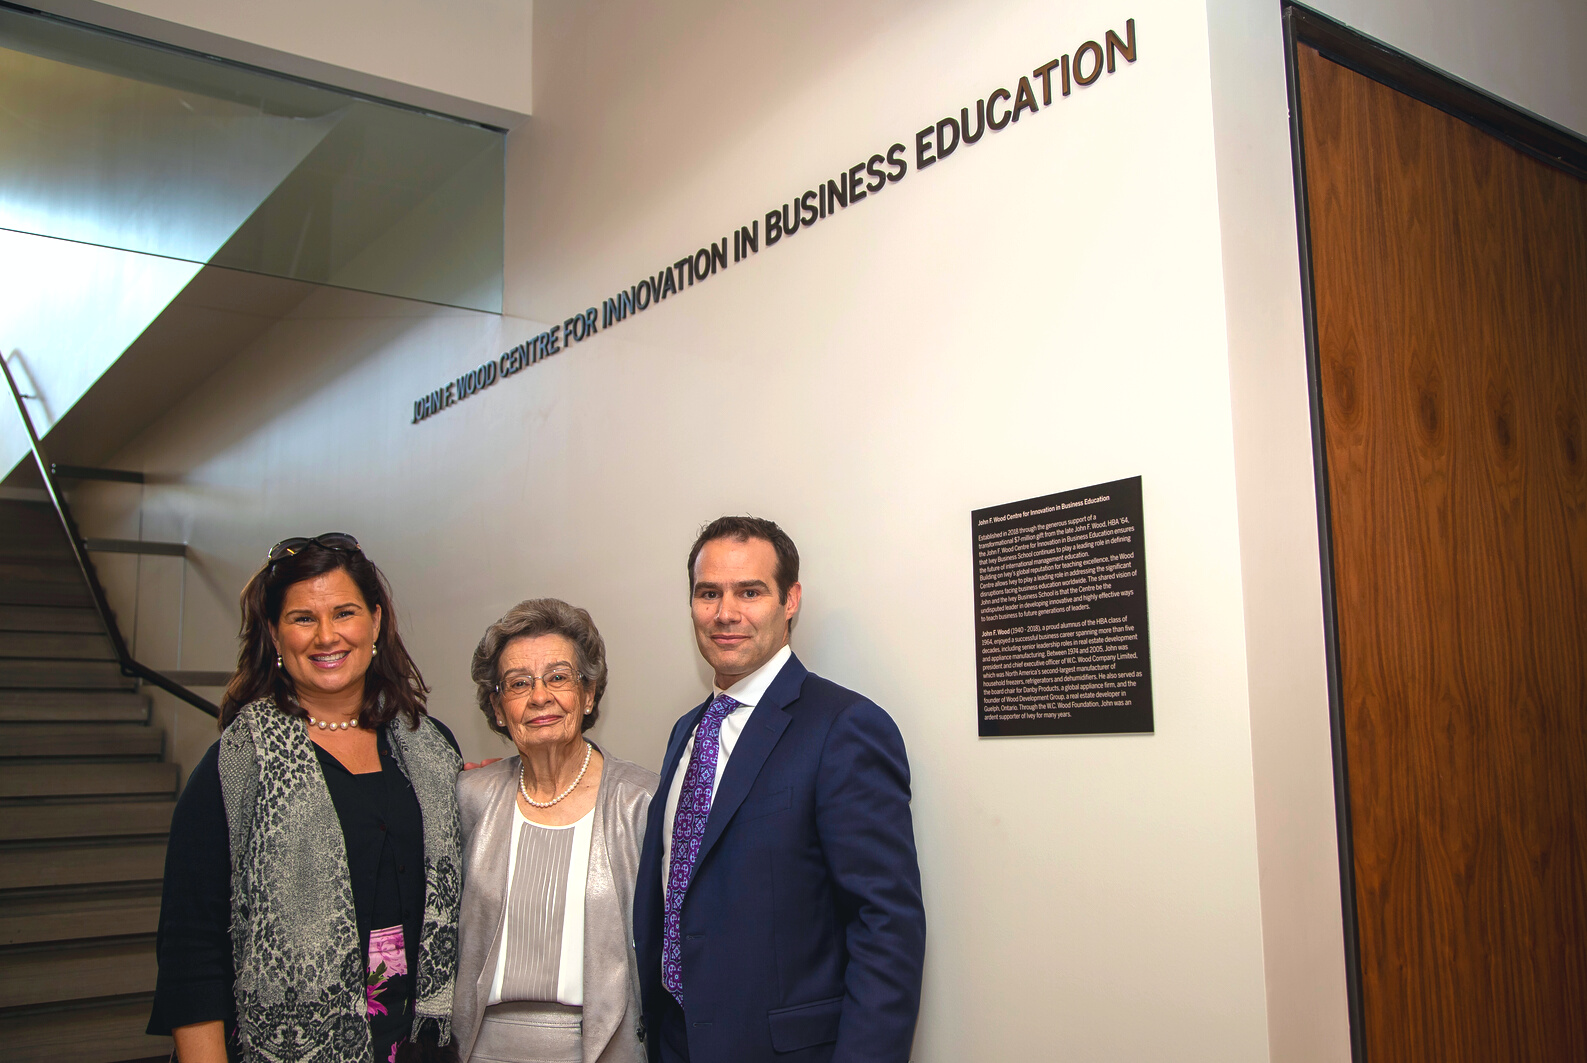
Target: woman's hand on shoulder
{"type": "Point", "coordinates": [469, 765]}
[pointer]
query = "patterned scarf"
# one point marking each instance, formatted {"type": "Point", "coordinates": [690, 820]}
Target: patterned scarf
{"type": "Point", "coordinates": [299, 973]}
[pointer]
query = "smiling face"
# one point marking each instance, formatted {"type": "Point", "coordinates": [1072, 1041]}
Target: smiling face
{"type": "Point", "coordinates": [534, 714]}
{"type": "Point", "coordinates": [326, 637]}
{"type": "Point", "coordinates": [739, 623]}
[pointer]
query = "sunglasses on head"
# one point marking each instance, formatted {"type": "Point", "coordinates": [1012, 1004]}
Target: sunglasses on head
{"type": "Point", "coordinates": [329, 540]}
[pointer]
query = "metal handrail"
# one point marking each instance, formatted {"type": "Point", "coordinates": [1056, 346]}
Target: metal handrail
{"type": "Point", "coordinates": [129, 666]}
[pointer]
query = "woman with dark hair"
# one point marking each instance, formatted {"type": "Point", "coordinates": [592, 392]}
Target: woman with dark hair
{"type": "Point", "coordinates": [312, 875]}
{"type": "Point", "coordinates": [546, 969]}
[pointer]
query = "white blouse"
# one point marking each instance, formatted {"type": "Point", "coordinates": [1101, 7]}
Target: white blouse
{"type": "Point", "coordinates": [570, 973]}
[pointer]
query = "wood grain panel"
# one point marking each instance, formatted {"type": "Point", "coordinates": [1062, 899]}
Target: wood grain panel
{"type": "Point", "coordinates": [1450, 277]}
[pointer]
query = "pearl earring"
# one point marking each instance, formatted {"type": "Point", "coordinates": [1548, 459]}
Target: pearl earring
{"type": "Point", "coordinates": [278, 661]}
{"type": "Point", "coordinates": [376, 651]}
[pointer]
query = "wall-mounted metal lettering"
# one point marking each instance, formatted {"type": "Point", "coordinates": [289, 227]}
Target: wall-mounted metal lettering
{"type": "Point", "coordinates": [999, 110]}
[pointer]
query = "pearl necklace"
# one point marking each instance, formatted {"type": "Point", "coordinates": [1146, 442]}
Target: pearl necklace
{"type": "Point", "coordinates": [588, 749]}
{"type": "Point", "coordinates": [322, 725]}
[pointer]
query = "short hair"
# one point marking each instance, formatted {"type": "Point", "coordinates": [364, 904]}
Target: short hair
{"type": "Point", "coordinates": [392, 685]}
{"type": "Point", "coordinates": [743, 529]}
{"type": "Point", "coordinates": [527, 619]}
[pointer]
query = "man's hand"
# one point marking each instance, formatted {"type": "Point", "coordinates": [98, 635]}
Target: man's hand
{"type": "Point", "coordinates": [469, 765]}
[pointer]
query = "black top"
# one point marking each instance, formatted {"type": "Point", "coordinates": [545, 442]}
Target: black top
{"type": "Point", "coordinates": [384, 833]}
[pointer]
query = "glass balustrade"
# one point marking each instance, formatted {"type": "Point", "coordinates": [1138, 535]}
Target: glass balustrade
{"type": "Point", "coordinates": [119, 143]}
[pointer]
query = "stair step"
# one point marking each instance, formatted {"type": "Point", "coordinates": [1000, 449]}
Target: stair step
{"type": "Point", "coordinates": [34, 551]}
{"type": "Point", "coordinates": [56, 646]}
{"type": "Point", "coordinates": [79, 882]}
{"type": "Point", "coordinates": [30, 519]}
{"type": "Point", "coordinates": [35, 922]}
{"type": "Point", "coordinates": [53, 975]}
{"type": "Point", "coordinates": [80, 740]}
{"type": "Point", "coordinates": [41, 592]}
{"type": "Point", "coordinates": [73, 619]}
{"type": "Point", "coordinates": [64, 675]}
{"type": "Point", "coordinates": [58, 706]}
{"type": "Point", "coordinates": [105, 1033]}
{"type": "Point", "coordinates": [47, 822]}
{"type": "Point", "coordinates": [38, 569]}
{"type": "Point", "coordinates": [21, 548]}
{"type": "Point", "coordinates": [56, 780]}
{"type": "Point", "coordinates": [82, 865]}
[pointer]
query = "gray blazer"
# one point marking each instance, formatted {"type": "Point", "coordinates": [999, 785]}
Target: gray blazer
{"type": "Point", "coordinates": [485, 798]}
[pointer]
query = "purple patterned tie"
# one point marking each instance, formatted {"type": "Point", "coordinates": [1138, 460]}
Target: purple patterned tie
{"type": "Point", "coordinates": [688, 829]}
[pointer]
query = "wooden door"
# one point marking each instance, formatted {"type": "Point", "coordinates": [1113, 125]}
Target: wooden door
{"type": "Point", "coordinates": [1450, 298]}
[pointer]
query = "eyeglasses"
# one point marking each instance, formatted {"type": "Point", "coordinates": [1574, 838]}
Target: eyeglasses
{"type": "Point", "coordinates": [519, 685]}
{"type": "Point", "coordinates": [329, 540]}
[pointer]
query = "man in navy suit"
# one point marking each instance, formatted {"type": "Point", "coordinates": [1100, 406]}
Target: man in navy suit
{"type": "Point", "coordinates": [777, 915]}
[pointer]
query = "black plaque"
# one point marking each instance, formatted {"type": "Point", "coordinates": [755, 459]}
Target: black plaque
{"type": "Point", "coordinates": [1060, 614]}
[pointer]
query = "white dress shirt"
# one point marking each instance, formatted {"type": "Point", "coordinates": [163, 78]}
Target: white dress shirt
{"type": "Point", "coordinates": [747, 692]}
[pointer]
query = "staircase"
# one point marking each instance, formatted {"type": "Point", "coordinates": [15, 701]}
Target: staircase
{"type": "Point", "coordinates": [85, 806]}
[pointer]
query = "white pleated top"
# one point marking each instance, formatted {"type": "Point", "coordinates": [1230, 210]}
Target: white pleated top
{"type": "Point", "coordinates": [542, 953]}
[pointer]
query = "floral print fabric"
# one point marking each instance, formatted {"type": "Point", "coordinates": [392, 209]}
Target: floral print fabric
{"type": "Point", "coordinates": [388, 957]}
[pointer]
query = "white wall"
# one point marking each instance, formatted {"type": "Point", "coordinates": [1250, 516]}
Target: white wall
{"type": "Point", "coordinates": [1039, 312]}
{"type": "Point", "coordinates": [1303, 930]}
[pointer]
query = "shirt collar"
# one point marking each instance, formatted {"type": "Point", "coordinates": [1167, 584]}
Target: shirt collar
{"type": "Point", "coordinates": [753, 687]}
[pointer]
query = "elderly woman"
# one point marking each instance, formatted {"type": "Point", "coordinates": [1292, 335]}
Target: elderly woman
{"type": "Point", "coordinates": [312, 876]}
{"type": "Point", "coordinates": [551, 837]}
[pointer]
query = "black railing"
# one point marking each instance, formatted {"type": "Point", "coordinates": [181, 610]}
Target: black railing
{"type": "Point", "coordinates": [129, 666]}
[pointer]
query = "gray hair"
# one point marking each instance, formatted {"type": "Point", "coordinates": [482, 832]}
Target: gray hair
{"type": "Point", "coordinates": [527, 619]}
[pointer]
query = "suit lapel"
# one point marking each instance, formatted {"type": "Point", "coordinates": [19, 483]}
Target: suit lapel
{"type": "Point", "coordinates": [766, 724]}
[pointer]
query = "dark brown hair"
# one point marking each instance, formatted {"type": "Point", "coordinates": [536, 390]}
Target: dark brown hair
{"type": "Point", "coordinates": [539, 616]}
{"type": "Point", "coordinates": [392, 685]}
{"type": "Point", "coordinates": [742, 529]}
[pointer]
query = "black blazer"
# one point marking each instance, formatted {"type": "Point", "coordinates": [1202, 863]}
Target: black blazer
{"type": "Point", "coordinates": [803, 929]}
